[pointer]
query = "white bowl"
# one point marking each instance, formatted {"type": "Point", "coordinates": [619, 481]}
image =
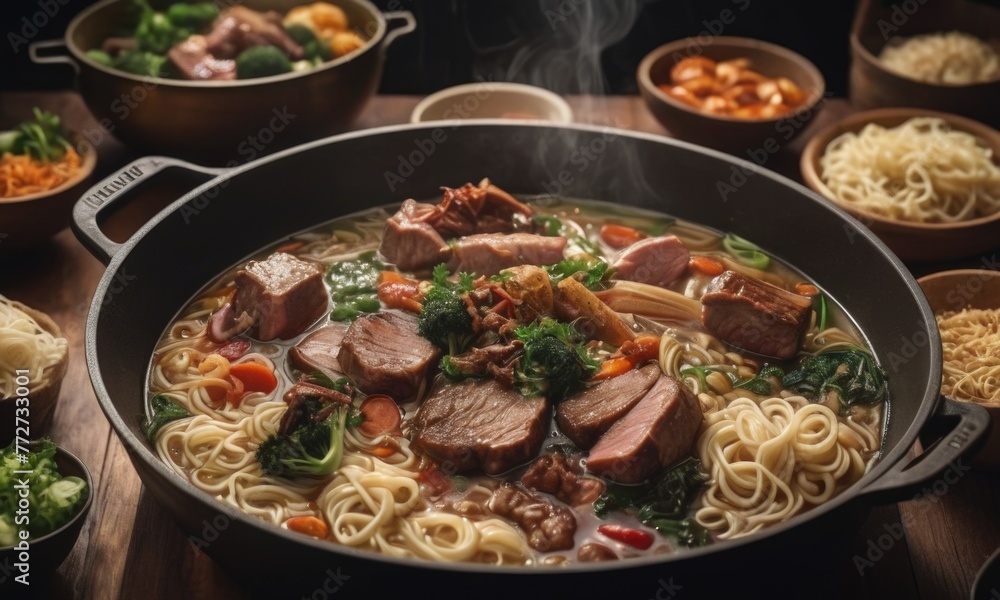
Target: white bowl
{"type": "Point", "coordinates": [493, 100]}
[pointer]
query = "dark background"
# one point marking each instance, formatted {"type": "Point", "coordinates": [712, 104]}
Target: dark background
{"type": "Point", "coordinates": [570, 46]}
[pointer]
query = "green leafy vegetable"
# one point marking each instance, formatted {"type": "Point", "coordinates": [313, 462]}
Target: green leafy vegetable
{"type": "Point", "coordinates": [662, 503]}
{"type": "Point", "coordinates": [314, 449]}
{"type": "Point", "coordinates": [192, 17]}
{"type": "Point", "coordinates": [165, 410]}
{"type": "Point", "coordinates": [445, 320]}
{"type": "Point", "coordinates": [42, 138]}
{"type": "Point", "coordinates": [262, 61]}
{"type": "Point", "coordinates": [852, 374]}
{"type": "Point", "coordinates": [52, 499]}
{"type": "Point", "coordinates": [100, 57]}
{"type": "Point", "coordinates": [314, 49]}
{"type": "Point", "coordinates": [821, 312]}
{"type": "Point", "coordinates": [353, 285]}
{"type": "Point", "coordinates": [760, 383]}
{"type": "Point", "coordinates": [554, 359]}
{"type": "Point", "coordinates": [550, 225]}
{"type": "Point", "coordinates": [702, 373]}
{"type": "Point", "coordinates": [594, 273]}
{"type": "Point", "coordinates": [745, 252]}
{"type": "Point", "coordinates": [139, 62]}
{"type": "Point", "coordinates": [342, 384]}
{"type": "Point", "coordinates": [155, 32]}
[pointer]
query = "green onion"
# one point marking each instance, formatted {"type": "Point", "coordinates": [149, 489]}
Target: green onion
{"type": "Point", "coordinates": [746, 252]}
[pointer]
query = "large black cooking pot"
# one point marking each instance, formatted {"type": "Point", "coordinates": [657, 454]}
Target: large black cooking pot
{"type": "Point", "coordinates": [237, 212]}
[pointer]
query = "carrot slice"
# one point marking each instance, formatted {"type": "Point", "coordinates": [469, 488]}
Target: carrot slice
{"type": "Point", "coordinates": [396, 291]}
{"type": "Point", "coordinates": [643, 348]}
{"type": "Point", "coordinates": [706, 265]}
{"type": "Point", "coordinates": [255, 377]}
{"type": "Point", "coordinates": [235, 394]}
{"type": "Point", "coordinates": [381, 416]}
{"type": "Point", "coordinates": [308, 525]}
{"type": "Point", "coordinates": [806, 289]}
{"type": "Point", "coordinates": [382, 451]}
{"type": "Point", "coordinates": [620, 236]}
{"type": "Point", "coordinates": [613, 367]}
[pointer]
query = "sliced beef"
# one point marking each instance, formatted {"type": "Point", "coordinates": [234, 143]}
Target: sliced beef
{"type": "Point", "coordinates": [480, 424]}
{"type": "Point", "coordinates": [382, 353]}
{"type": "Point", "coordinates": [549, 527]}
{"type": "Point", "coordinates": [754, 315]}
{"type": "Point", "coordinates": [489, 253]}
{"type": "Point", "coordinates": [193, 61]}
{"type": "Point", "coordinates": [318, 350]}
{"type": "Point", "coordinates": [116, 45]}
{"type": "Point", "coordinates": [585, 416]}
{"type": "Point", "coordinates": [656, 261]}
{"type": "Point", "coordinates": [239, 28]}
{"type": "Point", "coordinates": [553, 474]}
{"type": "Point", "coordinates": [480, 209]}
{"type": "Point", "coordinates": [410, 241]}
{"type": "Point", "coordinates": [283, 295]}
{"type": "Point", "coordinates": [657, 432]}
{"type": "Point", "coordinates": [476, 362]}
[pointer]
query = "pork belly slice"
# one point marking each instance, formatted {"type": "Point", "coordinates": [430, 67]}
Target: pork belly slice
{"type": "Point", "coordinates": [478, 424]}
{"type": "Point", "coordinates": [318, 350]}
{"type": "Point", "coordinates": [193, 61]}
{"type": "Point", "coordinates": [585, 416]}
{"type": "Point", "coordinates": [239, 28]}
{"type": "Point", "coordinates": [489, 253]}
{"type": "Point", "coordinates": [656, 433]}
{"type": "Point", "coordinates": [410, 241]}
{"type": "Point", "coordinates": [755, 316]}
{"type": "Point", "coordinates": [382, 353]}
{"type": "Point", "coordinates": [657, 261]}
{"type": "Point", "coordinates": [282, 294]}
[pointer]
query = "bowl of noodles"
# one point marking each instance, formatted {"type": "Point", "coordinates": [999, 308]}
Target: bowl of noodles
{"type": "Point", "coordinates": [927, 183]}
{"type": "Point", "coordinates": [41, 174]}
{"type": "Point", "coordinates": [945, 56]}
{"type": "Point", "coordinates": [966, 304]}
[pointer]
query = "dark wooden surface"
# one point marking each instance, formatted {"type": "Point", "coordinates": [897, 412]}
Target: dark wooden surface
{"type": "Point", "coordinates": [129, 548]}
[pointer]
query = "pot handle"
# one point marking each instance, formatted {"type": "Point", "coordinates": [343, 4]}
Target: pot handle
{"type": "Point", "coordinates": [58, 59]}
{"type": "Point", "coordinates": [398, 23]}
{"type": "Point", "coordinates": [961, 426]}
{"type": "Point", "coordinates": [112, 189]}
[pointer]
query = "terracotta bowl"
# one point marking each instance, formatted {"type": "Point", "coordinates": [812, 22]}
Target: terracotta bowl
{"type": "Point", "coordinates": [876, 23]}
{"type": "Point", "coordinates": [969, 288]}
{"type": "Point", "coordinates": [910, 240]}
{"type": "Point", "coordinates": [34, 218]}
{"type": "Point", "coordinates": [44, 394]}
{"type": "Point", "coordinates": [47, 552]}
{"type": "Point", "coordinates": [720, 131]}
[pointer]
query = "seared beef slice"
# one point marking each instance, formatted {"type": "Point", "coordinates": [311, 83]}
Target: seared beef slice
{"type": "Point", "coordinates": [479, 424]}
{"type": "Point", "coordinates": [754, 315]}
{"type": "Point", "coordinates": [410, 241]}
{"type": "Point", "coordinates": [656, 261]}
{"type": "Point", "coordinates": [382, 353]}
{"type": "Point", "coordinates": [657, 432]}
{"type": "Point", "coordinates": [585, 416]}
{"type": "Point", "coordinates": [283, 294]}
{"type": "Point", "coordinates": [489, 253]}
{"type": "Point", "coordinates": [318, 350]}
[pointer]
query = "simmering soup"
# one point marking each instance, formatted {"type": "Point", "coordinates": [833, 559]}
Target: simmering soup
{"type": "Point", "coordinates": [531, 383]}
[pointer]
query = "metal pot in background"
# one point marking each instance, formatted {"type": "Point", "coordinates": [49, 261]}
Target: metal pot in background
{"type": "Point", "coordinates": [222, 121]}
{"type": "Point", "coordinates": [238, 212]}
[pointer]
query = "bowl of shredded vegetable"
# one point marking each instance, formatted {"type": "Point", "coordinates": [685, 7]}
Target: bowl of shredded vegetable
{"type": "Point", "coordinates": [45, 496]}
{"type": "Point", "coordinates": [43, 171]}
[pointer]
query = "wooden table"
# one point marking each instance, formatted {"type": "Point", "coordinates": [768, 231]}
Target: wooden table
{"type": "Point", "coordinates": [130, 548]}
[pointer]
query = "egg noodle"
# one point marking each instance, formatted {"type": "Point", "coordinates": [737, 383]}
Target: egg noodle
{"type": "Point", "coordinates": [970, 339]}
{"type": "Point", "coordinates": [954, 58]}
{"type": "Point", "coordinates": [922, 170]}
{"type": "Point", "coordinates": [25, 345]}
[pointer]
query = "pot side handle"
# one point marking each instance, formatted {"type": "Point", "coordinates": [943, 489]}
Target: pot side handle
{"type": "Point", "coordinates": [58, 59]}
{"type": "Point", "coordinates": [961, 426]}
{"type": "Point", "coordinates": [112, 189]}
{"type": "Point", "coordinates": [398, 23]}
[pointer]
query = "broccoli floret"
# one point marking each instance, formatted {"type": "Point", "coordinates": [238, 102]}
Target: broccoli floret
{"type": "Point", "coordinates": [261, 61]}
{"type": "Point", "coordinates": [142, 63]}
{"type": "Point", "coordinates": [194, 17]}
{"type": "Point", "coordinates": [313, 450]}
{"type": "Point", "coordinates": [553, 362]}
{"type": "Point", "coordinates": [100, 57]}
{"type": "Point", "coordinates": [315, 50]}
{"type": "Point", "coordinates": [444, 320]}
{"type": "Point", "coordinates": [154, 32]}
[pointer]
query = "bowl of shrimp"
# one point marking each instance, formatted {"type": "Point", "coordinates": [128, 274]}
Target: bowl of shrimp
{"type": "Point", "coordinates": [731, 93]}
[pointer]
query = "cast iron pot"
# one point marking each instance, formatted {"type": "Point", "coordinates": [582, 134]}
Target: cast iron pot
{"type": "Point", "coordinates": [222, 121]}
{"type": "Point", "coordinates": [237, 212]}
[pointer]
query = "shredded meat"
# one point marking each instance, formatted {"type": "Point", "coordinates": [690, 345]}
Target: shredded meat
{"type": "Point", "coordinates": [549, 527]}
{"type": "Point", "coordinates": [298, 410]}
{"type": "Point", "coordinates": [477, 362]}
{"type": "Point", "coordinates": [553, 474]}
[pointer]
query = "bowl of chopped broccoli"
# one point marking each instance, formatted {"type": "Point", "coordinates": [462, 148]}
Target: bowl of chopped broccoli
{"type": "Point", "coordinates": [45, 496]}
{"type": "Point", "coordinates": [224, 83]}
